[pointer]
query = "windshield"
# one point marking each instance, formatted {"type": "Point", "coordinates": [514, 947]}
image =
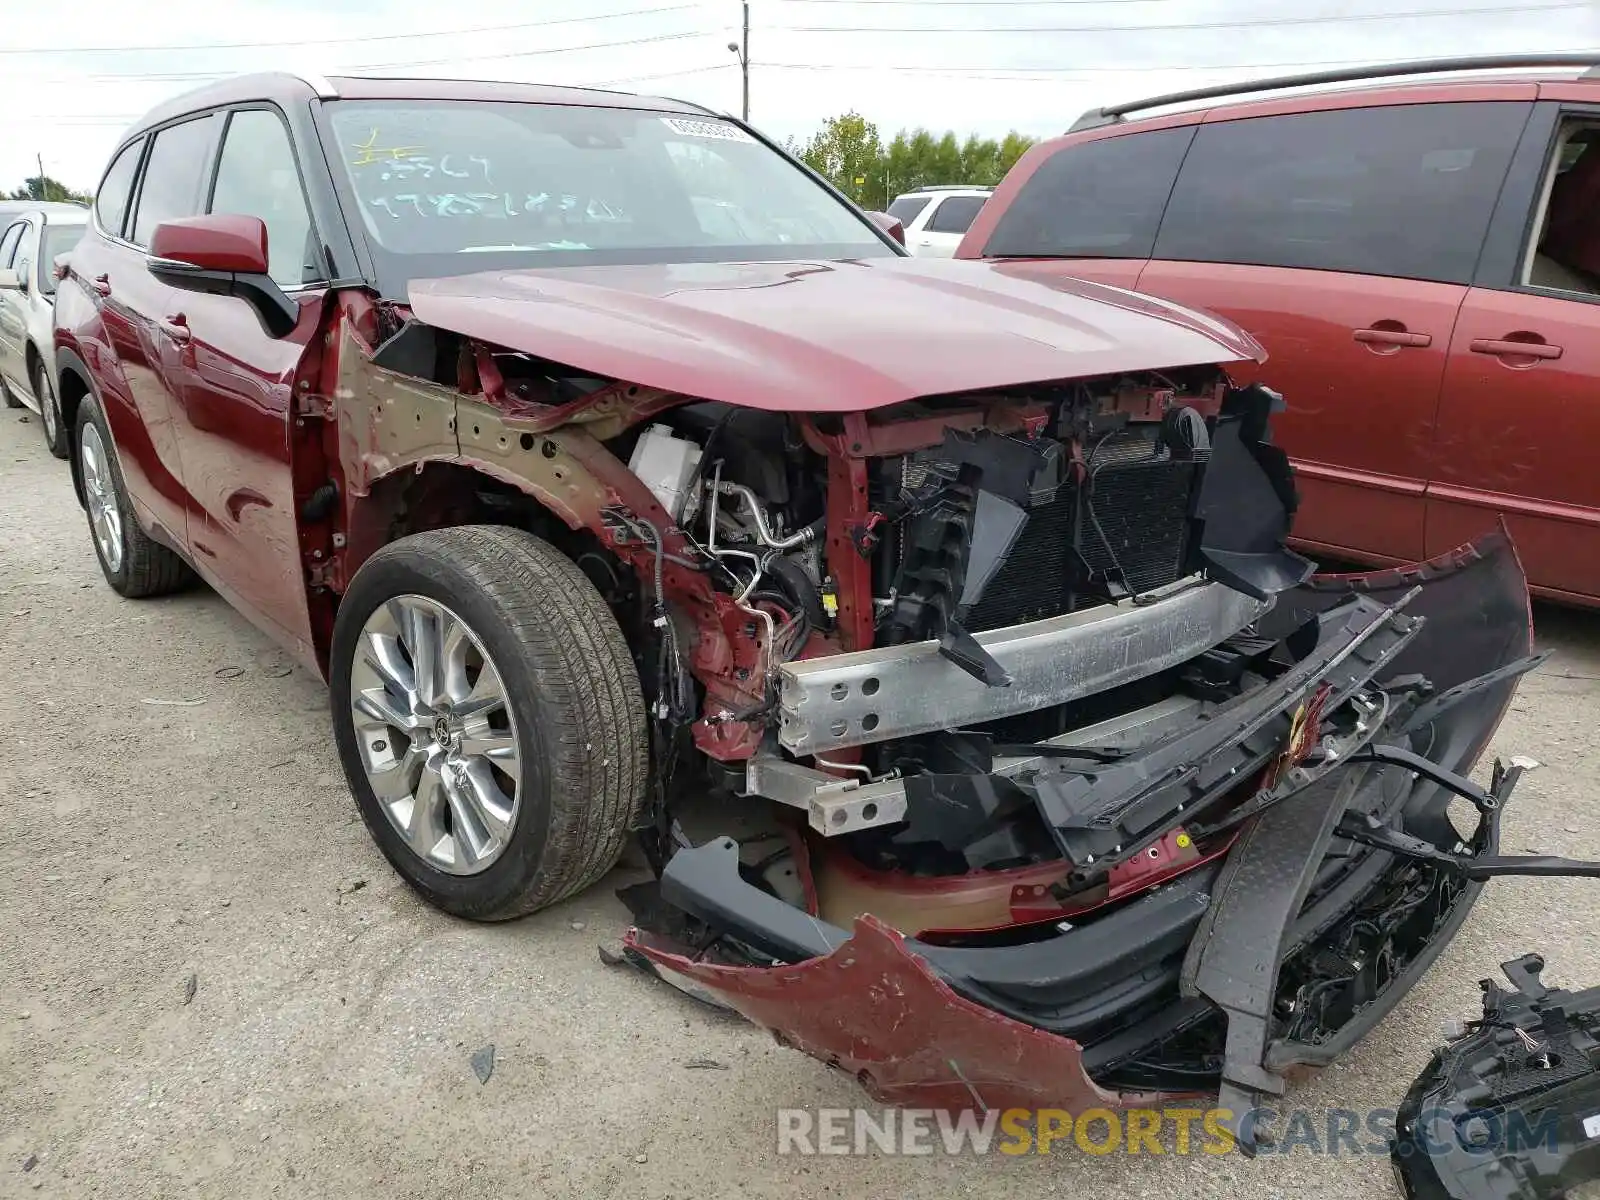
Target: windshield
{"type": "Point", "coordinates": [523, 185]}
{"type": "Point", "coordinates": [58, 239]}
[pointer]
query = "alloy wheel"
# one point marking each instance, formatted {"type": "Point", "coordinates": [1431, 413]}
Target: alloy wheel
{"type": "Point", "coordinates": [437, 738]}
{"type": "Point", "coordinates": [105, 514]}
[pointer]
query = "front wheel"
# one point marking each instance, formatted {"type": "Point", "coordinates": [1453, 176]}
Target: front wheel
{"type": "Point", "coordinates": [489, 719]}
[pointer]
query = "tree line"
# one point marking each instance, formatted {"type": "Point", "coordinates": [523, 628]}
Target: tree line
{"type": "Point", "coordinates": [851, 155]}
{"type": "Point", "coordinates": [42, 187]}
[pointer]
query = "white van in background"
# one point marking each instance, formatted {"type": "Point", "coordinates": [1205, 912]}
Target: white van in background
{"type": "Point", "coordinates": [936, 217]}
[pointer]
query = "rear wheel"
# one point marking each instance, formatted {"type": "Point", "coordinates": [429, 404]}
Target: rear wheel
{"type": "Point", "coordinates": [134, 564]}
{"type": "Point", "coordinates": [5, 393]}
{"type": "Point", "coordinates": [55, 436]}
{"type": "Point", "coordinates": [489, 719]}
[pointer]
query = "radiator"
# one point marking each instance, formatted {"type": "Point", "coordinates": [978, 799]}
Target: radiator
{"type": "Point", "coordinates": [1139, 522]}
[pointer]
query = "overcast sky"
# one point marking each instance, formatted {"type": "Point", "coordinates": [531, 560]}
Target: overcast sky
{"type": "Point", "coordinates": [77, 74]}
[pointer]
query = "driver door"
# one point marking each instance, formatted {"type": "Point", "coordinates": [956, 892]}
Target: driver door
{"type": "Point", "coordinates": [233, 387]}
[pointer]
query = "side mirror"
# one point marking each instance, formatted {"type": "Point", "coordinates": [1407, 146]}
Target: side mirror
{"type": "Point", "coordinates": [10, 281]}
{"type": "Point", "coordinates": [890, 225]}
{"type": "Point", "coordinates": [222, 254]}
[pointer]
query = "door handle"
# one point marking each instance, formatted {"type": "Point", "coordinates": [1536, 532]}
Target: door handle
{"type": "Point", "coordinates": [101, 284]}
{"type": "Point", "coordinates": [1393, 337]}
{"type": "Point", "coordinates": [1514, 348]}
{"type": "Point", "coordinates": [176, 327]}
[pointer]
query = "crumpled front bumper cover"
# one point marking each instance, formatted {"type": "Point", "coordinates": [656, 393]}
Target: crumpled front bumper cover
{"type": "Point", "coordinates": [1034, 1023]}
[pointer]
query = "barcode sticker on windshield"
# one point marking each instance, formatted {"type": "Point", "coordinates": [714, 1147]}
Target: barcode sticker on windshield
{"type": "Point", "coordinates": [1591, 1126]}
{"type": "Point", "coordinates": [707, 129]}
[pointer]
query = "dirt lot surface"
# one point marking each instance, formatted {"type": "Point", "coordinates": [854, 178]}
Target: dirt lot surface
{"type": "Point", "coordinates": [211, 984]}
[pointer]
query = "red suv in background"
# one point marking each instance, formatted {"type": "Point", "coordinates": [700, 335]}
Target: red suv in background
{"type": "Point", "coordinates": [1421, 261]}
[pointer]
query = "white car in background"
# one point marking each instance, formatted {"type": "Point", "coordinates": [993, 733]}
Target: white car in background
{"type": "Point", "coordinates": [936, 217]}
{"type": "Point", "coordinates": [29, 246]}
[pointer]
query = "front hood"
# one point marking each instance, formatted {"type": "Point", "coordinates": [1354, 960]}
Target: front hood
{"type": "Point", "coordinates": [825, 336]}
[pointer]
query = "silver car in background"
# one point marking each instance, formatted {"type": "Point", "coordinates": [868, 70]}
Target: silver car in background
{"type": "Point", "coordinates": [33, 239]}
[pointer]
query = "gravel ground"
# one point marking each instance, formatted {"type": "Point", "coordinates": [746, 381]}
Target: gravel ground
{"type": "Point", "coordinates": [211, 984]}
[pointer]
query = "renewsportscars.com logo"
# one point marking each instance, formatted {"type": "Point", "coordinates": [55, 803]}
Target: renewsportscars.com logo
{"type": "Point", "coordinates": [1178, 1131]}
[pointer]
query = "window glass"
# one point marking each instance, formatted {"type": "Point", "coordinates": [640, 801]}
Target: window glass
{"type": "Point", "coordinates": [554, 185]}
{"type": "Point", "coordinates": [954, 214]}
{"type": "Point", "coordinates": [906, 208]}
{"type": "Point", "coordinates": [111, 199]}
{"type": "Point", "coordinates": [1566, 250]}
{"type": "Point", "coordinates": [58, 239]}
{"type": "Point", "coordinates": [1095, 199]}
{"type": "Point", "coordinates": [8, 245]}
{"type": "Point", "coordinates": [1402, 190]}
{"type": "Point", "coordinates": [27, 251]}
{"type": "Point", "coordinates": [257, 177]}
{"type": "Point", "coordinates": [172, 177]}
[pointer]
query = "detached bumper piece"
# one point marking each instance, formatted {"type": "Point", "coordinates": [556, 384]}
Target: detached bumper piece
{"type": "Point", "coordinates": [1510, 1109]}
{"type": "Point", "coordinates": [1331, 874]}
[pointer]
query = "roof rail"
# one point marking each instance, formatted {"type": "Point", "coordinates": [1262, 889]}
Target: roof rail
{"type": "Point", "coordinates": [952, 187]}
{"type": "Point", "coordinates": [1097, 117]}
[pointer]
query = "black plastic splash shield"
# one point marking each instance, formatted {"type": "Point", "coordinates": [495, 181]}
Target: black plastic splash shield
{"type": "Point", "coordinates": [1104, 814]}
{"type": "Point", "coordinates": [1510, 1110]}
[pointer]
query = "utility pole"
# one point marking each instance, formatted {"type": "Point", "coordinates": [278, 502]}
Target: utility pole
{"type": "Point", "coordinates": [742, 49]}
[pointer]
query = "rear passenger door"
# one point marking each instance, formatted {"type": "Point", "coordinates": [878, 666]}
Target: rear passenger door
{"type": "Point", "coordinates": [1519, 422]}
{"type": "Point", "coordinates": [1091, 209]}
{"type": "Point", "coordinates": [1344, 240]}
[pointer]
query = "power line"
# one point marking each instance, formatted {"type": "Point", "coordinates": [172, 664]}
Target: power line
{"type": "Point", "coordinates": [202, 76]}
{"type": "Point", "coordinates": [608, 83]}
{"type": "Point", "coordinates": [455, 58]}
{"type": "Point", "coordinates": [97, 119]}
{"type": "Point", "coordinates": [1331, 20]}
{"type": "Point", "coordinates": [377, 37]}
{"type": "Point", "coordinates": [934, 4]}
{"type": "Point", "coordinates": [1005, 71]}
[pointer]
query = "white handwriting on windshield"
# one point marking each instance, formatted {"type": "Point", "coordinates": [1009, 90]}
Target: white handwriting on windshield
{"type": "Point", "coordinates": [494, 205]}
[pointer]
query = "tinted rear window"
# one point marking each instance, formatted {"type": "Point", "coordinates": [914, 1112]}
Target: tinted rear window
{"type": "Point", "coordinates": [906, 208]}
{"type": "Point", "coordinates": [955, 214]}
{"type": "Point", "coordinates": [1403, 190]}
{"type": "Point", "coordinates": [1098, 199]}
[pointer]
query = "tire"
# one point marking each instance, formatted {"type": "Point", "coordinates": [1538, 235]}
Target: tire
{"type": "Point", "coordinates": [144, 566]}
{"type": "Point", "coordinates": [55, 433]}
{"type": "Point", "coordinates": [5, 393]}
{"type": "Point", "coordinates": [572, 709]}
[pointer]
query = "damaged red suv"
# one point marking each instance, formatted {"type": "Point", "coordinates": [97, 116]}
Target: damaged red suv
{"type": "Point", "coordinates": [606, 460]}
